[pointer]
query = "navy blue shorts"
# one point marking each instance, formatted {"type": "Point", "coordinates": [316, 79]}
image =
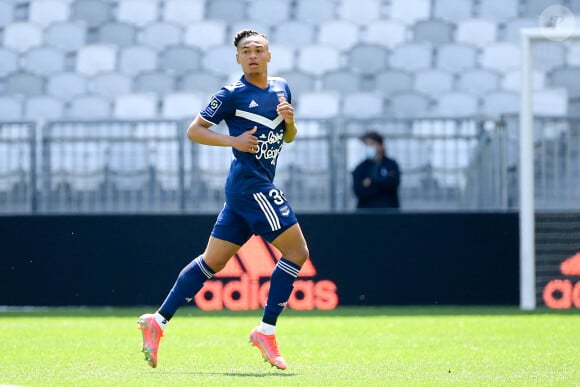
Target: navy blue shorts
{"type": "Point", "coordinates": [266, 213]}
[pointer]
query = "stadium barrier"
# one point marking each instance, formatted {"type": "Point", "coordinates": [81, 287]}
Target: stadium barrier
{"type": "Point", "coordinates": [356, 259]}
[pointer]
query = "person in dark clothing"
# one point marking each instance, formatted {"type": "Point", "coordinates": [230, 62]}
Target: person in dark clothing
{"type": "Point", "coordinates": [376, 179]}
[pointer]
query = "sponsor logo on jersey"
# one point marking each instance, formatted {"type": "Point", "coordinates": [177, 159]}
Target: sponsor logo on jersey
{"type": "Point", "coordinates": [244, 283]}
{"type": "Point", "coordinates": [563, 293]}
{"type": "Point", "coordinates": [213, 106]}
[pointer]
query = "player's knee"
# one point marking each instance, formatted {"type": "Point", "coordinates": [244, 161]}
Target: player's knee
{"type": "Point", "coordinates": [298, 255]}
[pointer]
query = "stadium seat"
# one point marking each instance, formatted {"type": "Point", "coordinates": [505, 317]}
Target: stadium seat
{"type": "Point", "coordinates": [436, 32]}
{"type": "Point", "coordinates": [456, 104]}
{"type": "Point", "coordinates": [533, 8]}
{"type": "Point", "coordinates": [8, 62]}
{"type": "Point", "coordinates": [78, 164]}
{"type": "Point", "coordinates": [391, 82]}
{"type": "Point", "coordinates": [388, 33]}
{"type": "Point", "coordinates": [24, 84]}
{"type": "Point", "coordinates": [477, 32]}
{"type": "Point", "coordinates": [161, 35]}
{"type": "Point", "coordinates": [343, 81]}
{"type": "Point", "coordinates": [568, 78]}
{"type": "Point", "coordinates": [182, 105]}
{"type": "Point", "coordinates": [229, 11]}
{"type": "Point", "coordinates": [500, 102]}
{"type": "Point", "coordinates": [296, 34]}
{"type": "Point", "coordinates": [66, 36]}
{"type": "Point", "coordinates": [340, 34]}
{"type": "Point", "coordinates": [155, 82]}
{"type": "Point", "coordinates": [135, 106]}
{"type": "Point", "coordinates": [43, 61]}
{"type": "Point", "coordinates": [221, 61]}
{"type": "Point", "coordinates": [550, 102]}
{"type": "Point", "coordinates": [137, 59]}
{"type": "Point", "coordinates": [362, 105]}
{"type": "Point", "coordinates": [548, 55]}
{"type": "Point", "coordinates": [200, 81]}
{"type": "Point", "coordinates": [179, 59]}
{"type": "Point", "coordinates": [500, 10]}
{"type": "Point", "coordinates": [315, 12]}
{"type": "Point", "coordinates": [512, 29]}
{"type": "Point", "coordinates": [47, 12]}
{"type": "Point", "coordinates": [452, 10]}
{"type": "Point", "coordinates": [110, 85]}
{"type": "Point", "coordinates": [6, 13]}
{"type": "Point", "coordinates": [10, 108]}
{"type": "Point", "coordinates": [360, 12]}
{"type": "Point", "coordinates": [184, 12]}
{"type": "Point", "coordinates": [206, 34]}
{"type": "Point", "coordinates": [574, 6]}
{"type": "Point", "coordinates": [43, 107]}
{"type": "Point", "coordinates": [409, 104]}
{"type": "Point", "coordinates": [410, 11]}
{"type": "Point", "coordinates": [21, 36]}
{"type": "Point", "coordinates": [119, 34]}
{"type": "Point", "coordinates": [137, 12]}
{"type": "Point", "coordinates": [89, 107]}
{"type": "Point", "coordinates": [456, 57]}
{"type": "Point", "coordinates": [433, 82]}
{"type": "Point", "coordinates": [318, 59]}
{"type": "Point", "coordinates": [501, 57]}
{"type": "Point", "coordinates": [318, 105]}
{"type": "Point", "coordinates": [368, 59]}
{"type": "Point", "coordinates": [66, 86]}
{"type": "Point", "coordinates": [412, 57]}
{"type": "Point", "coordinates": [92, 12]}
{"type": "Point", "coordinates": [573, 55]}
{"type": "Point", "coordinates": [299, 82]}
{"type": "Point", "coordinates": [94, 59]}
{"type": "Point", "coordinates": [512, 80]}
{"type": "Point", "coordinates": [478, 81]}
{"type": "Point", "coordinates": [128, 163]}
{"type": "Point", "coordinates": [271, 12]}
{"type": "Point", "coordinates": [283, 59]}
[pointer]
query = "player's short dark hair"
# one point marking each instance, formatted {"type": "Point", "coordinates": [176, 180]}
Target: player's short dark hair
{"type": "Point", "coordinates": [373, 136]}
{"type": "Point", "coordinates": [246, 33]}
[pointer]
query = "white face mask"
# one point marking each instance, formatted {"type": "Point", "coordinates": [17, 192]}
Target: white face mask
{"type": "Point", "coordinates": [370, 152]}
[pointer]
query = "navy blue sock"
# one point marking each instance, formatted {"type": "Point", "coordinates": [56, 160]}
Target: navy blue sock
{"type": "Point", "coordinates": [281, 285]}
{"type": "Point", "coordinates": [189, 282]}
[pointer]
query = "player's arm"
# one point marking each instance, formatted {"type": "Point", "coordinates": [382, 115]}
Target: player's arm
{"type": "Point", "coordinates": [286, 110]}
{"type": "Point", "coordinates": [199, 131]}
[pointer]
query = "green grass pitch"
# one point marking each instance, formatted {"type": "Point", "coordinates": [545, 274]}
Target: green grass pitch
{"type": "Point", "coordinates": [348, 346]}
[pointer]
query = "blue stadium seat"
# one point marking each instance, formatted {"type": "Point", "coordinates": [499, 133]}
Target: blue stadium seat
{"type": "Point", "coordinates": [206, 34]}
{"type": "Point", "coordinates": [502, 57]}
{"type": "Point", "coordinates": [43, 107]}
{"type": "Point", "coordinates": [21, 36]}
{"type": "Point", "coordinates": [318, 105]}
{"type": "Point", "coordinates": [456, 57]}
{"type": "Point", "coordinates": [478, 81]}
{"type": "Point", "coordinates": [315, 12]}
{"type": "Point", "coordinates": [343, 81]}
{"type": "Point", "coordinates": [363, 105]}
{"type": "Point", "coordinates": [221, 61]}
{"type": "Point", "coordinates": [47, 12]}
{"type": "Point", "coordinates": [119, 34]}
{"type": "Point", "coordinates": [200, 81]}
{"type": "Point", "coordinates": [409, 104]}
{"type": "Point", "coordinates": [110, 85]}
{"type": "Point", "coordinates": [179, 59]}
{"type": "Point", "coordinates": [137, 12]}
{"type": "Point", "coordinates": [551, 102]}
{"type": "Point", "coordinates": [135, 106]}
{"type": "Point", "coordinates": [410, 11]}
{"type": "Point", "coordinates": [368, 58]}
{"type": "Point", "coordinates": [8, 62]}
{"type": "Point", "coordinates": [271, 12]}
{"type": "Point", "coordinates": [512, 29]}
{"type": "Point", "coordinates": [95, 59]}
{"type": "Point", "coordinates": [436, 32]}
{"type": "Point", "coordinates": [391, 82]}
{"type": "Point", "coordinates": [452, 10]}
{"type": "Point", "coordinates": [548, 55]}
{"type": "Point", "coordinates": [66, 86]}
{"type": "Point", "coordinates": [43, 61]}
{"type": "Point", "coordinates": [412, 57]}
{"type": "Point", "coordinates": [512, 80]}
{"type": "Point", "coordinates": [318, 59]}
{"type": "Point", "coordinates": [283, 59]}
{"type": "Point", "coordinates": [89, 107]}
{"type": "Point", "coordinates": [66, 36]}
{"type": "Point", "coordinates": [161, 35]}
{"type": "Point", "coordinates": [500, 102]}
{"type": "Point", "coordinates": [137, 59]}
{"type": "Point", "coordinates": [300, 82]}
{"type": "Point", "coordinates": [340, 34]}
{"type": "Point", "coordinates": [184, 12]}
{"type": "Point", "coordinates": [533, 8]}
{"type": "Point", "coordinates": [500, 10]}
{"type": "Point", "coordinates": [6, 13]}
{"type": "Point", "coordinates": [182, 105]}
{"type": "Point", "coordinates": [230, 11]}
{"type": "Point", "coordinates": [361, 12]}
{"type": "Point", "coordinates": [24, 84]}
{"type": "Point", "coordinates": [10, 108]}
{"type": "Point", "coordinates": [477, 32]}
{"type": "Point", "coordinates": [388, 33]}
{"type": "Point", "coordinates": [293, 33]}
{"type": "Point", "coordinates": [433, 82]}
{"type": "Point", "coordinates": [568, 78]}
{"type": "Point", "coordinates": [92, 12]}
{"type": "Point", "coordinates": [456, 104]}
{"type": "Point", "coordinates": [155, 82]}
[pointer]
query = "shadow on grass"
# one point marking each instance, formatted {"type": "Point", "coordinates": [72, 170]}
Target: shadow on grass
{"type": "Point", "coordinates": [238, 374]}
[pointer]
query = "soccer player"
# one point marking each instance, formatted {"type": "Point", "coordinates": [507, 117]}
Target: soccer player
{"type": "Point", "coordinates": [260, 119]}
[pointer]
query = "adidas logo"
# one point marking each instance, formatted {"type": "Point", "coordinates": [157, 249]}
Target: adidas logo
{"type": "Point", "coordinates": [253, 104]}
{"type": "Point", "coordinates": [562, 293]}
{"type": "Point", "coordinates": [244, 283]}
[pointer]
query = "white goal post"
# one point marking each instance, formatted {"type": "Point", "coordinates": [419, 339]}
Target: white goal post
{"type": "Point", "coordinates": [526, 159]}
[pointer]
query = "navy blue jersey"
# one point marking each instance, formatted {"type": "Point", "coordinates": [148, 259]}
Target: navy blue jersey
{"type": "Point", "coordinates": [243, 106]}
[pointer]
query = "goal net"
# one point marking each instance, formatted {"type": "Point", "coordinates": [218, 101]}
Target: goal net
{"type": "Point", "coordinates": [549, 184]}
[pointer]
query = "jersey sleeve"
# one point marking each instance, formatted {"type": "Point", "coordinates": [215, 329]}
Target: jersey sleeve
{"type": "Point", "coordinates": [218, 108]}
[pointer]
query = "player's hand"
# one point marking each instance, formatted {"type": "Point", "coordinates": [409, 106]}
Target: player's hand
{"type": "Point", "coordinates": [285, 110]}
{"type": "Point", "coordinates": [247, 142]}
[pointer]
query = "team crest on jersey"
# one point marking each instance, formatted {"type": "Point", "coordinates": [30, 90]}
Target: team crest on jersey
{"type": "Point", "coordinates": [213, 107]}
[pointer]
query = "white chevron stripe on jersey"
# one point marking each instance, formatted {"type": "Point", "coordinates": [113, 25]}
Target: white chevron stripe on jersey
{"type": "Point", "coordinates": [272, 124]}
{"type": "Point", "coordinates": [268, 211]}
